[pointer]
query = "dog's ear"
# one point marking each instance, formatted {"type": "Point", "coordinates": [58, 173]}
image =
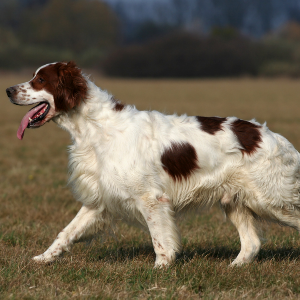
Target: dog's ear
{"type": "Point", "coordinates": [71, 87]}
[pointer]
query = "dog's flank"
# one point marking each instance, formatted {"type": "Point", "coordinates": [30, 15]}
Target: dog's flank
{"type": "Point", "coordinates": [146, 166]}
{"type": "Point", "coordinates": [179, 160]}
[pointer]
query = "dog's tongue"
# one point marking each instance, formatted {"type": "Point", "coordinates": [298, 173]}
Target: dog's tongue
{"type": "Point", "coordinates": [25, 120]}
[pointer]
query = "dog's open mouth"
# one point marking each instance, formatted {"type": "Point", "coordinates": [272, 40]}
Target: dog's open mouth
{"type": "Point", "coordinates": [34, 118]}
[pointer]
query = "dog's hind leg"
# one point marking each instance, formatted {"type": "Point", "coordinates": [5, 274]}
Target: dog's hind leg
{"type": "Point", "coordinates": [86, 224]}
{"type": "Point", "coordinates": [159, 215]}
{"type": "Point", "coordinates": [243, 219]}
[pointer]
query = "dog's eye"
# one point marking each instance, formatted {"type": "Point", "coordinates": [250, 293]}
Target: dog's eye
{"type": "Point", "coordinates": [41, 80]}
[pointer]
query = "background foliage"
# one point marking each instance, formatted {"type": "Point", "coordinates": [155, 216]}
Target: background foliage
{"type": "Point", "coordinates": [183, 54]}
{"type": "Point", "coordinates": [91, 32]}
{"type": "Point", "coordinates": [38, 32]}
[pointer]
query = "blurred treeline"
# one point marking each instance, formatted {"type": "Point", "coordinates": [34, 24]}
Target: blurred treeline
{"type": "Point", "coordinates": [35, 32]}
{"type": "Point", "coordinates": [224, 52]}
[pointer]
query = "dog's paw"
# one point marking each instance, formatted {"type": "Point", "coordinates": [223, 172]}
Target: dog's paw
{"type": "Point", "coordinates": [43, 259]}
{"type": "Point", "coordinates": [234, 264]}
{"type": "Point", "coordinates": [161, 262]}
{"type": "Point", "coordinates": [240, 262]}
{"type": "Point", "coordinates": [161, 265]}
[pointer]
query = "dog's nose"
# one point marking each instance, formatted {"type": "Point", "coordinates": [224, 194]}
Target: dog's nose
{"type": "Point", "coordinates": [10, 91]}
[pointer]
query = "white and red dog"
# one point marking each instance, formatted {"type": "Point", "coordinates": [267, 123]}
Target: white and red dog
{"type": "Point", "coordinates": [146, 166]}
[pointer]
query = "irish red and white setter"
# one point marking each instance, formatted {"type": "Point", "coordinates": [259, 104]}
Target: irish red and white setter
{"type": "Point", "coordinates": [150, 167]}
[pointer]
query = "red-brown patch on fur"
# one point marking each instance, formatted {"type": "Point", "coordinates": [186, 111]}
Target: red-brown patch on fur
{"type": "Point", "coordinates": [118, 105]}
{"type": "Point", "coordinates": [64, 81]}
{"type": "Point", "coordinates": [248, 135]}
{"type": "Point", "coordinates": [179, 160]}
{"type": "Point", "coordinates": [211, 124]}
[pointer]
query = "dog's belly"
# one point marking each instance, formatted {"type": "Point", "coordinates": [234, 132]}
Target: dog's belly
{"type": "Point", "coordinates": [204, 189]}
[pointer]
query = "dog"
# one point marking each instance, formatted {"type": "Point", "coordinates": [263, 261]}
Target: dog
{"type": "Point", "coordinates": [149, 167]}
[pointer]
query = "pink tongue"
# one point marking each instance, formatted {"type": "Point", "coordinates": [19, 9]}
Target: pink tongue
{"type": "Point", "coordinates": [25, 120]}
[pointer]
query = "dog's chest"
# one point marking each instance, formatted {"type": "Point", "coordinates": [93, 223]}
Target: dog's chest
{"type": "Point", "coordinates": [102, 174]}
{"type": "Point", "coordinates": [84, 174]}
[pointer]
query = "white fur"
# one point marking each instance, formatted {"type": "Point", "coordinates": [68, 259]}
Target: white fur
{"type": "Point", "coordinates": [116, 170]}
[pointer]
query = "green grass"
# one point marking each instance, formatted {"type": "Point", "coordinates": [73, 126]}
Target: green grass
{"type": "Point", "coordinates": [35, 204]}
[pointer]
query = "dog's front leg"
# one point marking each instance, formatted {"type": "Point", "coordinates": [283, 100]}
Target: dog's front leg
{"type": "Point", "coordinates": [86, 223]}
{"type": "Point", "coordinates": [159, 215]}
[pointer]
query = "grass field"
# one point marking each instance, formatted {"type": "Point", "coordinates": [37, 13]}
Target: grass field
{"type": "Point", "coordinates": [36, 204]}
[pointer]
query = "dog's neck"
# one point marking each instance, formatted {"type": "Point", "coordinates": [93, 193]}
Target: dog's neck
{"type": "Point", "coordinates": [96, 113]}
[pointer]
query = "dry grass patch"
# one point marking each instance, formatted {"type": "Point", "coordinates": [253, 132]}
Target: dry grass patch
{"type": "Point", "coordinates": [36, 204]}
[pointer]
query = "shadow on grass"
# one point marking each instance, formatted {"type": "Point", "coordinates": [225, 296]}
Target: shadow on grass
{"type": "Point", "coordinates": [278, 254]}
{"type": "Point", "coordinates": [219, 253]}
{"type": "Point", "coordinates": [226, 253]}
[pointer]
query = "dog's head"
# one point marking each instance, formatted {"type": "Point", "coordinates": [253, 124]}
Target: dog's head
{"type": "Point", "coordinates": [55, 88]}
